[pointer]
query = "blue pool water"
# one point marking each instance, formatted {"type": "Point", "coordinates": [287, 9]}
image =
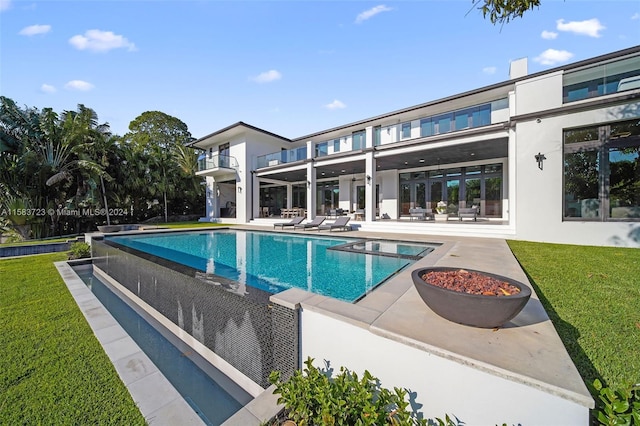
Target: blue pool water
{"type": "Point", "coordinates": [207, 397]}
{"type": "Point", "coordinates": [275, 262]}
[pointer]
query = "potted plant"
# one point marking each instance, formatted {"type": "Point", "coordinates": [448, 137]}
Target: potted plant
{"type": "Point", "coordinates": [469, 297]}
{"type": "Point", "coordinates": [441, 211]}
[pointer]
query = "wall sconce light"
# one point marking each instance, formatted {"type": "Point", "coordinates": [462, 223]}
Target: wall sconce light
{"type": "Point", "coordinates": [368, 179]}
{"type": "Point", "coordinates": [539, 159]}
{"type": "Point", "coordinates": [218, 192]}
{"type": "Point", "coordinates": [308, 184]}
{"type": "Point", "coordinates": [239, 190]}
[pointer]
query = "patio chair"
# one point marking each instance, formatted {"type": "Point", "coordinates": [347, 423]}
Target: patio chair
{"type": "Point", "coordinates": [471, 212]}
{"type": "Point", "coordinates": [293, 222]}
{"type": "Point", "coordinates": [340, 223]}
{"type": "Point", "coordinates": [310, 225]}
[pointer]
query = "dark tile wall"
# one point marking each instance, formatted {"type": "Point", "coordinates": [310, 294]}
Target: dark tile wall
{"type": "Point", "coordinates": [249, 332]}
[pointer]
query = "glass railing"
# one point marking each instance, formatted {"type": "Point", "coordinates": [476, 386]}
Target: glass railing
{"type": "Point", "coordinates": [217, 162]}
{"type": "Point", "coordinates": [602, 79]}
{"type": "Point", "coordinates": [282, 157]}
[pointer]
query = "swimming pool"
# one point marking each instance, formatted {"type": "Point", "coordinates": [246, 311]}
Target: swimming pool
{"type": "Point", "coordinates": [342, 268]}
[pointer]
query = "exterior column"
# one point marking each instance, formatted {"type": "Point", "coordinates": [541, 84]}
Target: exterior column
{"type": "Point", "coordinates": [370, 187]}
{"type": "Point", "coordinates": [311, 182]}
{"type": "Point", "coordinates": [255, 196]}
{"type": "Point", "coordinates": [509, 208]}
{"type": "Point", "coordinates": [368, 137]}
{"type": "Point", "coordinates": [289, 195]}
{"type": "Point", "coordinates": [213, 210]}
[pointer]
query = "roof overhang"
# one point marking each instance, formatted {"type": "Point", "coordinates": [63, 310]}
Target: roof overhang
{"type": "Point", "coordinates": [230, 132]}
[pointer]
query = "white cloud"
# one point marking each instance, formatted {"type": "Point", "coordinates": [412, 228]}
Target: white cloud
{"type": "Point", "coordinates": [5, 5]}
{"type": "Point", "coordinates": [267, 76]}
{"type": "Point", "coordinates": [47, 88]}
{"type": "Point", "coordinates": [367, 14]}
{"type": "Point", "coordinates": [100, 41]}
{"type": "Point", "coordinates": [553, 56]}
{"type": "Point", "coordinates": [78, 85]}
{"type": "Point", "coordinates": [549, 35]}
{"type": "Point", "coordinates": [336, 104]}
{"type": "Point", "coordinates": [35, 29]}
{"type": "Point", "coordinates": [489, 70]}
{"type": "Point", "coordinates": [635, 16]}
{"type": "Point", "coordinates": [590, 27]}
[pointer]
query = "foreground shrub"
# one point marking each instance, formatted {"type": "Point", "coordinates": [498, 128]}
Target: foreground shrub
{"type": "Point", "coordinates": [620, 406]}
{"type": "Point", "coordinates": [316, 398]}
{"type": "Point", "coordinates": [79, 251]}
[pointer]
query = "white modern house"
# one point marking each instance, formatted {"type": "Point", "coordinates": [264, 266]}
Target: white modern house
{"type": "Point", "coordinates": [552, 156]}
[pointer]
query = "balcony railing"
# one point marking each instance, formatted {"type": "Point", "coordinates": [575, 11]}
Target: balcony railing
{"type": "Point", "coordinates": [282, 157]}
{"type": "Point", "coordinates": [217, 162]}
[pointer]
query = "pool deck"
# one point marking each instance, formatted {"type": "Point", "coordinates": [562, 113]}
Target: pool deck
{"type": "Point", "coordinates": [526, 350]}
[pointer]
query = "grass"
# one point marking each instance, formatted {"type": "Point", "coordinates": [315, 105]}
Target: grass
{"type": "Point", "coordinates": [592, 295]}
{"type": "Point", "coordinates": [52, 368]}
{"type": "Point", "coordinates": [179, 225]}
{"type": "Point", "coordinates": [42, 241]}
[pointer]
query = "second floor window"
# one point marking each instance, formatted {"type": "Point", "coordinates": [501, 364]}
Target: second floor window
{"type": "Point", "coordinates": [406, 130]}
{"type": "Point", "coordinates": [358, 140]}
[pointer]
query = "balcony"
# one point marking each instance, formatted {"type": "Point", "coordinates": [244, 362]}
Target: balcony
{"type": "Point", "coordinates": [216, 165]}
{"type": "Point", "coordinates": [282, 157]}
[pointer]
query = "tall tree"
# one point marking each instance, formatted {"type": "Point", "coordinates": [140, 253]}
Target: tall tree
{"type": "Point", "coordinates": [160, 139]}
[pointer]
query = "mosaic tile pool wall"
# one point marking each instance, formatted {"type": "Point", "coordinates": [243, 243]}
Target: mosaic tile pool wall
{"type": "Point", "coordinates": [248, 331]}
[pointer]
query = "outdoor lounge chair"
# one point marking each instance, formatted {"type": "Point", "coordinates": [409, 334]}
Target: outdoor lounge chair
{"type": "Point", "coordinates": [309, 225]}
{"type": "Point", "coordinates": [293, 222]}
{"type": "Point", "coordinates": [341, 223]}
{"type": "Point", "coordinates": [471, 212]}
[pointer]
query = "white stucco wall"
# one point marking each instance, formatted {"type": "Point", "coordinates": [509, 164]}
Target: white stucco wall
{"type": "Point", "coordinates": [540, 192]}
{"type": "Point", "coordinates": [441, 386]}
{"type": "Point", "coordinates": [539, 93]}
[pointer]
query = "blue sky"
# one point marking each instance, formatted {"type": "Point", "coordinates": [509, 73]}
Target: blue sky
{"type": "Point", "coordinates": [289, 67]}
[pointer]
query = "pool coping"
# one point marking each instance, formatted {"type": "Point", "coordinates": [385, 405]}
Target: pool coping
{"type": "Point", "coordinates": [156, 398]}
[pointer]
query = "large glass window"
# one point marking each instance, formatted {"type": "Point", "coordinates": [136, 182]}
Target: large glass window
{"type": "Point", "coordinates": [479, 186]}
{"type": "Point", "coordinates": [224, 151]}
{"type": "Point", "coordinates": [327, 197]}
{"type": "Point", "coordinates": [322, 149]}
{"type": "Point", "coordinates": [361, 194]}
{"type": "Point", "coordinates": [272, 200]}
{"type": "Point", "coordinates": [376, 136]}
{"type": "Point", "coordinates": [336, 145]}
{"type": "Point", "coordinates": [426, 127]}
{"type": "Point", "coordinates": [602, 79]}
{"type": "Point", "coordinates": [481, 116]}
{"type": "Point", "coordinates": [602, 172]}
{"type": "Point", "coordinates": [462, 119]}
{"type": "Point", "coordinates": [358, 140]}
{"type": "Point", "coordinates": [299, 194]}
{"type": "Point", "coordinates": [406, 130]}
{"type": "Point", "coordinates": [442, 123]}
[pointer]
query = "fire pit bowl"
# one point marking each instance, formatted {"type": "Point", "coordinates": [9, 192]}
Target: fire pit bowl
{"type": "Point", "coordinates": [497, 300]}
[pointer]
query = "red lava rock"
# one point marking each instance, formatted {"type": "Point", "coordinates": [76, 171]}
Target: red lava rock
{"type": "Point", "coordinates": [470, 282]}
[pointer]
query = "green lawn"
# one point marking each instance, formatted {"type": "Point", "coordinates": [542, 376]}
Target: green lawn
{"type": "Point", "coordinates": [592, 295]}
{"type": "Point", "coordinates": [45, 241]}
{"type": "Point", "coordinates": [52, 369]}
{"type": "Point", "coordinates": [178, 225]}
